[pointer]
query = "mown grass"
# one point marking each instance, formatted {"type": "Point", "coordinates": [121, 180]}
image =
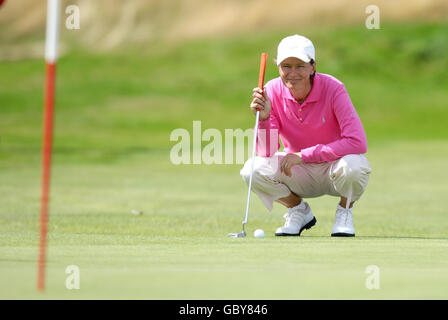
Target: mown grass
{"type": "Point", "coordinates": [113, 120]}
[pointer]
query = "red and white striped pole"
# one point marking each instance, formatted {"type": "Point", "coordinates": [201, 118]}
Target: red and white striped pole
{"type": "Point", "coordinates": [51, 55]}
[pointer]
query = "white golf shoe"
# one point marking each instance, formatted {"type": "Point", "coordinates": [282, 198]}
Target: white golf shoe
{"type": "Point", "coordinates": [297, 218]}
{"type": "Point", "coordinates": [343, 224]}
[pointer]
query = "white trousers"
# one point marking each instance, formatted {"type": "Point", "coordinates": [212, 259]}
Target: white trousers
{"type": "Point", "coordinates": [346, 177]}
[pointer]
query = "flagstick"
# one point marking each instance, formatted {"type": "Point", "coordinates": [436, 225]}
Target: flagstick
{"type": "Point", "coordinates": [51, 45]}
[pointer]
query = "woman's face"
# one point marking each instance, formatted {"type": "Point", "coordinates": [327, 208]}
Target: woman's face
{"type": "Point", "coordinates": [295, 73]}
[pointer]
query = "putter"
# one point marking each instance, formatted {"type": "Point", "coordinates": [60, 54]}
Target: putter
{"type": "Point", "coordinates": [242, 234]}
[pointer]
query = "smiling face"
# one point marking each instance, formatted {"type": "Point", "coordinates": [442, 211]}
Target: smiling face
{"type": "Point", "coordinates": [295, 73]}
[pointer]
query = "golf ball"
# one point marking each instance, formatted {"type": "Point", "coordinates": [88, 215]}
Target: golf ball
{"type": "Point", "coordinates": [259, 233]}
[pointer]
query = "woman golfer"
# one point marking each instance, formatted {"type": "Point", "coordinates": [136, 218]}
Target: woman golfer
{"type": "Point", "coordinates": [323, 137]}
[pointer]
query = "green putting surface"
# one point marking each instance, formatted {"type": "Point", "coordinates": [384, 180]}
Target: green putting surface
{"type": "Point", "coordinates": [114, 116]}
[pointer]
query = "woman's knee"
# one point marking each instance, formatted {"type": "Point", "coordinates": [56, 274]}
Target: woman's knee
{"type": "Point", "coordinates": [353, 167]}
{"type": "Point", "coordinates": [261, 169]}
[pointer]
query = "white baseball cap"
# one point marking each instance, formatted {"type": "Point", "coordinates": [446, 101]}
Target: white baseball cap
{"type": "Point", "coordinates": [295, 46]}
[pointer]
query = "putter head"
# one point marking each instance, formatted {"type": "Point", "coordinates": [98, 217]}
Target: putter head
{"type": "Point", "coordinates": [242, 234]}
{"type": "Point", "coordinates": [237, 235]}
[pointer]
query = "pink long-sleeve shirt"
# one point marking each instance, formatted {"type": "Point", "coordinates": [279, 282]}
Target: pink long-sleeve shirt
{"type": "Point", "coordinates": [325, 127]}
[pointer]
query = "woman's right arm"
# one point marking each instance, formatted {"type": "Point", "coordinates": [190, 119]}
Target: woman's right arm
{"type": "Point", "coordinates": [268, 129]}
{"type": "Point", "coordinates": [261, 103]}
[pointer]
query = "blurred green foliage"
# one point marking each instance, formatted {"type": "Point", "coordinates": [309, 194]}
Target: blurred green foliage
{"type": "Point", "coordinates": [132, 99]}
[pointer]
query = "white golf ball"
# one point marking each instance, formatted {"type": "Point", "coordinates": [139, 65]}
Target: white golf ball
{"type": "Point", "coordinates": [259, 233]}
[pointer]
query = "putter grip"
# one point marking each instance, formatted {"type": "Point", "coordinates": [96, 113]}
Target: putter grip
{"type": "Point", "coordinates": [264, 57]}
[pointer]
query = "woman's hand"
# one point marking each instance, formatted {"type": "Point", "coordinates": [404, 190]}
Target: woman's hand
{"type": "Point", "coordinates": [288, 161]}
{"type": "Point", "coordinates": [261, 102]}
